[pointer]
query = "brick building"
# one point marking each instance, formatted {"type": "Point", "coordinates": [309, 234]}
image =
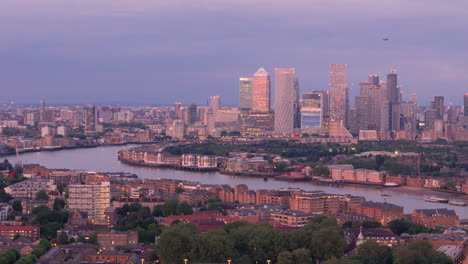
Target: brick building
{"type": "Point", "coordinates": [435, 217]}
{"type": "Point", "coordinates": [32, 232]}
{"type": "Point", "coordinates": [381, 212]}
{"type": "Point", "coordinates": [117, 239]}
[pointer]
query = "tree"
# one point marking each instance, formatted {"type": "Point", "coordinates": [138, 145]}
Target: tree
{"type": "Point", "coordinates": [169, 207]}
{"type": "Point", "coordinates": [343, 261]}
{"type": "Point", "coordinates": [212, 247]}
{"type": "Point", "coordinates": [420, 252]}
{"type": "Point", "coordinates": [60, 188]}
{"type": "Point", "coordinates": [286, 257]}
{"type": "Point", "coordinates": [59, 204]}
{"type": "Point", "coordinates": [42, 196]}
{"type": "Point", "coordinates": [17, 207]}
{"type": "Point", "coordinates": [16, 236]}
{"type": "Point", "coordinates": [63, 238]}
{"type": "Point", "coordinates": [175, 243]}
{"type": "Point", "coordinates": [372, 253]}
{"type": "Point", "coordinates": [371, 224]}
{"type": "Point", "coordinates": [302, 256]}
{"type": "Point", "coordinates": [179, 190]}
{"type": "Point", "coordinates": [184, 209]}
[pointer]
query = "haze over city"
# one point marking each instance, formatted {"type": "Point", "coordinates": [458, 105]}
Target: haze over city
{"type": "Point", "coordinates": [158, 52]}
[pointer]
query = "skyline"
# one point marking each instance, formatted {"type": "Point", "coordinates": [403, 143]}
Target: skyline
{"type": "Point", "coordinates": [159, 53]}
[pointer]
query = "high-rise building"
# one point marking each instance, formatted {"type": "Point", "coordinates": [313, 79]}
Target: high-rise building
{"type": "Point", "coordinates": [177, 112]}
{"type": "Point", "coordinates": [192, 116]}
{"type": "Point", "coordinates": [91, 117]}
{"type": "Point", "coordinates": [311, 112]}
{"type": "Point", "coordinates": [374, 79]}
{"type": "Point", "coordinates": [439, 106]}
{"type": "Point", "coordinates": [393, 92]}
{"type": "Point", "coordinates": [92, 198]}
{"type": "Point", "coordinates": [339, 101]}
{"type": "Point", "coordinates": [465, 105]}
{"type": "Point", "coordinates": [261, 91]}
{"type": "Point", "coordinates": [245, 93]}
{"type": "Point", "coordinates": [285, 101]}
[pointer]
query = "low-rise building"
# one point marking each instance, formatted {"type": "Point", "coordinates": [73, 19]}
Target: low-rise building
{"type": "Point", "coordinates": [291, 218]}
{"type": "Point", "coordinates": [29, 188]}
{"type": "Point", "coordinates": [29, 231]}
{"type": "Point", "coordinates": [114, 238]}
{"type": "Point", "coordinates": [435, 217]}
{"type": "Point", "coordinates": [381, 212]}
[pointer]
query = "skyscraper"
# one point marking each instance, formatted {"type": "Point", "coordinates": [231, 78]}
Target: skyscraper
{"type": "Point", "coordinates": [245, 93]}
{"type": "Point", "coordinates": [339, 101]}
{"type": "Point", "coordinates": [261, 91]}
{"type": "Point", "coordinates": [311, 112]}
{"type": "Point", "coordinates": [192, 114]}
{"type": "Point", "coordinates": [285, 100]}
{"type": "Point", "coordinates": [465, 105]}
{"type": "Point", "coordinates": [91, 117]}
{"type": "Point", "coordinates": [393, 92]}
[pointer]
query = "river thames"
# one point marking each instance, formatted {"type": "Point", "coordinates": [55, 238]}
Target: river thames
{"type": "Point", "coordinates": [104, 159]}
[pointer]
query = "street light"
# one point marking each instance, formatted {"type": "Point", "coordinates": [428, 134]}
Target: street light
{"type": "Point", "coordinates": [185, 261]}
{"type": "Point", "coordinates": [229, 261]}
{"type": "Point", "coordinates": [268, 261]}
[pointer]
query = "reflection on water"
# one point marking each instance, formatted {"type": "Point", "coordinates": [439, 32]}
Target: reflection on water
{"type": "Point", "coordinates": [105, 159]}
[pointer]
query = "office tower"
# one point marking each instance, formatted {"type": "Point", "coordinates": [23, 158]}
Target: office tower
{"type": "Point", "coordinates": [297, 107]}
{"type": "Point", "coordinates": [192, 114]}
{"type": "Point", "coordinates": [439, 106]}
{"type": "Point", "coordinates": [215, 103]}
{"type": "Point", "coordinates": [285, 84]}
{"type": "Point", "coordinates": [245, 93]}
{"type": "Point", "coordinates": [91, 117]}
{"type": "Point", "coordinates": [325, 109]}
{"type": "Point", "coordinates": [339, 101]}
{"type": "Point", "coordinates": [41, 110]}
{"type": "Point", "coordinates": [393, 92]}
{"type": "Point", "coordinates": [465, 105]}
{"type": "Point", "coordinates": [430, 116]}
{"type": "Point", "coordinates": [311, 112]}
{"type": "Point", "coordinates": [92, 198]}
{"type": "Point", "coordinates": [374, 79]}
{"type": "Point", "coordinates": [261, 91]}
{"type": "Point", "coordinates": [177, 110]}
{"type": "Point", "coordinates": [376, 98]}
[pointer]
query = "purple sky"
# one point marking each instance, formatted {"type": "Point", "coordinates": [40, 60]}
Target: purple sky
{"type": "Point", "coordinates": [162, 51]}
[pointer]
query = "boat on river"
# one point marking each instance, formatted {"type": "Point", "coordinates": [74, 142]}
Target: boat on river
{"type": "Point", "coordinates": [457, 203]}
{"type": "Point", "coordinates": [434, 199]}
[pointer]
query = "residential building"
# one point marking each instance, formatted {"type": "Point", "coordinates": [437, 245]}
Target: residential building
{"type": "Point", "coordinates": [92, 198]}
{"type": "Point", "coordinates": [435, 217]}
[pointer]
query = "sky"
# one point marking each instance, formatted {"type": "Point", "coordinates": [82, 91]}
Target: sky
{"type": "Point", "coordinates": [158, 52]}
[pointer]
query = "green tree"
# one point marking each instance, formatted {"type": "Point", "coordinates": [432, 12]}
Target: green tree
{"type": "Point", "coordinates": [169, 207]}
{"type": "Point", "coordinates": [17, 207]}
{"type": "Point", "coordinates": [212, 247]}
{"type": "Point", "coordinates": [59, 204]}
{"type": "Point", "coordinates": [175, 243]}
{"type": "Point", "coordinates": [372, 253]}
{"type": "Point", "coordinates": [63, 238]}
{"type": "Point", "coordinates": [179, 190]}
{"type": "Point", "coordinates": [420, 252]}
{"type": "Point", "coordinates": [302, 256]}
{"type": "Point", "coordinates": [286, 257]}
{"type": "Point", "coordinates": [184, 209]}
{"type": "Point", "coordinates": [343, 261]}
{"type": "Point", "coordinates": [42, 196]}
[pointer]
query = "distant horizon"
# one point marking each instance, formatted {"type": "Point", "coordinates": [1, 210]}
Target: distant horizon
{"type": "Point", "coordinates": [158, 52]}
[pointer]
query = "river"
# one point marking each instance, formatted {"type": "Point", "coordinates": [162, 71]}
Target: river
{"type": "Point", "coordinates": [105, 159]}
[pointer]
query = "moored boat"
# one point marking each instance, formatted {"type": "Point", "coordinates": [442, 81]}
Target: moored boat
{"type": "Point", "coordinates": [434, 199]}
{"type": "Point", "coordinates": [457, 203]}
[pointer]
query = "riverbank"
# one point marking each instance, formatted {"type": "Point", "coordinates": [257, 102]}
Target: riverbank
{"type": "Point", "coordinates": [167, 166]}
{"type": "Point", "coordinates": [105, 159]}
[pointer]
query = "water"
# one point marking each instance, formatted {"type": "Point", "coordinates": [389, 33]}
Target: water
{"type": "Point", "coordinates": [105, 159]}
